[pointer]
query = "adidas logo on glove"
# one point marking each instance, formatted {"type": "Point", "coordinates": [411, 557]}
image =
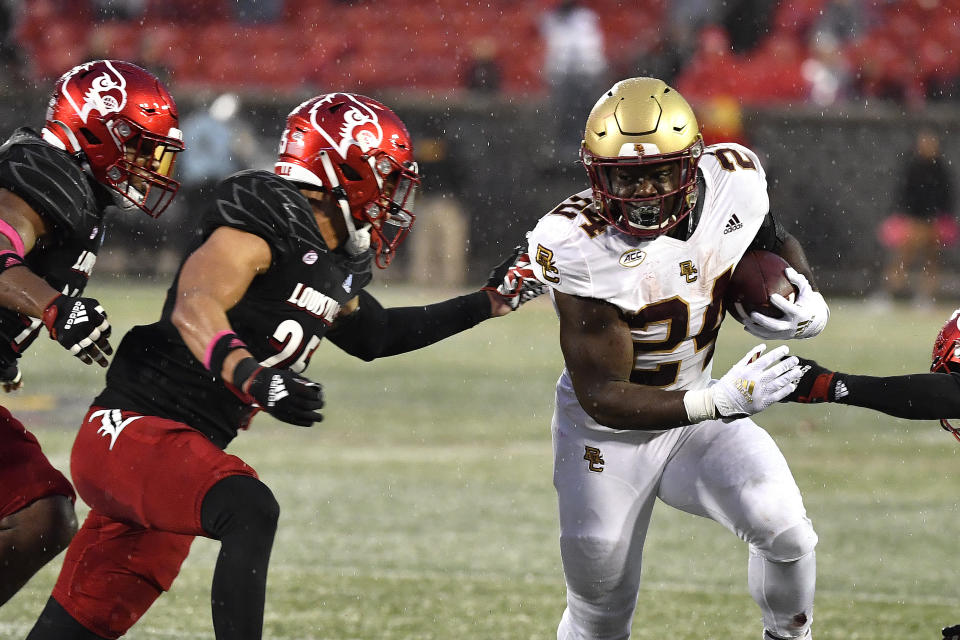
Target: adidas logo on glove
{"type": "Point", "coordinates": [78, 315]}
{"type": "Point", "coordinates": [277, 392]}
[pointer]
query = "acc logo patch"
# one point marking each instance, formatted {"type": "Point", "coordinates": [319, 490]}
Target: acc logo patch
{"type": "Point", "coordinates": [632, 258]}
{"type": "Point", "coordinates": [310, 257]}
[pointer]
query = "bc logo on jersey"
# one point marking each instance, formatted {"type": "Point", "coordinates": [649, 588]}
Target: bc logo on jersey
{"type": "Point", "coordinates": [594, 459]}
{"type": "Point", "coordinates": [688, 271]}
{"type": "Point", "coordinates": [545, 260]}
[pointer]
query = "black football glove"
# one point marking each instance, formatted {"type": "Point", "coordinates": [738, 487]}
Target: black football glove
{"type": "Point", "coordinates": [282, 393]}
{"type": "Point", "coordinates": [513, 279]}
{"type": "Point", "coordinates": [951, 633]}
{"type": "Point", "coordinates": [10, 378]}
{"type": "Point", "coordinates": [817, 384]}
{"type": "Point", "coordinates": [81, 326]}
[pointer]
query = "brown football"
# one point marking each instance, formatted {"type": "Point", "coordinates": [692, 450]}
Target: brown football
{"type": "Point", "coordinates": [756, 276]}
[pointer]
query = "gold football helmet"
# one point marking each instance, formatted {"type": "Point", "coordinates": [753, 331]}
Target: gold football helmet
{"type": "Point", "coordinates": [644, 133]}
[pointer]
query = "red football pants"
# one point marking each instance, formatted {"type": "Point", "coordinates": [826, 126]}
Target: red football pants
{"type": "Point", "coordinates": [145, 479]}
{"type": "Point", "coordinates": [25, 473]}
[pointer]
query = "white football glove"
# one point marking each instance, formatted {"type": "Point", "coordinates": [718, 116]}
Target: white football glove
{"type": "Point", "coordinates": [803, 318]}
{"type": "Point", "coordinates": [749, 387]}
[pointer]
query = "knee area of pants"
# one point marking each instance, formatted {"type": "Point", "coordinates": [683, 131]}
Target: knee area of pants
{"type": "Point", "coordinates": [594, 566]}
{"type": "Point", "coordinates": [261, 507]}
{"type": "Point", "coordinates": [790, 545]}
{"type": "Point", "coordinates": [240, 503]}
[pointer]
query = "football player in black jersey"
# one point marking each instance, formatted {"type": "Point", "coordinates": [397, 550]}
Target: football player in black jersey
{"type": "Point", "coordinates": [110, 139]}
{"type": "Point", "coordinates": [282, 261]}
{"type": "Point", "coordinates": [917, 396]}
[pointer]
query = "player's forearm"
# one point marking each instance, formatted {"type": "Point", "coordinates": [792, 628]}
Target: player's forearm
{"type": "Point", "coordinates": [25, 292]}
{"type": "Point", "coordinates": [201, 322]}
{"type": "Point", "coordinates": [921, 396]}
{"type": "Point", "coordinates": [374, 332]}
{"type": "Point", "coordinates": [793, 253]}
{"type": "Point", "coordinates": [624, 405]}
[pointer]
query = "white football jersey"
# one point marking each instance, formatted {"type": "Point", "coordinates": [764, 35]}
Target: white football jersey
{"type": "Point", "coordinates": [669, 290]}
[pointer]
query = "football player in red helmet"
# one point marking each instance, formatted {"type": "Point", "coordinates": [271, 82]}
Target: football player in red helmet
{"type": "Point", "coordinates": [121, 124]}
{"type": "Point", "coordinates": [282, 261]}
{"type": "Point", "coordinates": [358, 150]}
{"type": "Point", "coordinates": [110, 138]}
{"type": "Point", "coordinates": [917, 396]}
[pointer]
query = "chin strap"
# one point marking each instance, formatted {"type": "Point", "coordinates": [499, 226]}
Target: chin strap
{"type": "Point", "coordinates": [358, 240]}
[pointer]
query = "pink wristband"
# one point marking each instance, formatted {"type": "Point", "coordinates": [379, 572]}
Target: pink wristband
{"type": "Point", "coordinates": [11, 234]}
{"type": "Point", "coordinates": [227, 341]}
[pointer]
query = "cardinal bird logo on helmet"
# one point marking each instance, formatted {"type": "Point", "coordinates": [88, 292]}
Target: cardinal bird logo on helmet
{"type": "Point", "coordinates": [361, 125]}
{"type": "Point", "coordinates": [107, 93]}
{"type": "Point", "coordinates": [360, 152]}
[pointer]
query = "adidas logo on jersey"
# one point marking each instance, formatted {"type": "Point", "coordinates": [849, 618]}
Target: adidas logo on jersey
{"type": "Point", "coordinates": [78, 315]}
{"type": "Point", "coordinates": [277, 391]}
{"type": "Point", "coordinates": [732, 224]}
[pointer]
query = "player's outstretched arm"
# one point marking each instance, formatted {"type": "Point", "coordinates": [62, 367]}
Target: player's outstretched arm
{"type": "Point", "coordinates": [918, 396]}
{"type": "Point", "coordinates": [368, 331]}
{"type": "Point", "coordinates": [80, 325]}
{"type": "Point", "coordinates": [213, 279]}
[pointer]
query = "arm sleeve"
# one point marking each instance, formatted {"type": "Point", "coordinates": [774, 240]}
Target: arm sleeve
{"type": "Point", "coordinates": [920, 396]}
{"type": "Point", "coordinates": [373, 332]}
{"type": "Point", "coordinates": [770, 236]}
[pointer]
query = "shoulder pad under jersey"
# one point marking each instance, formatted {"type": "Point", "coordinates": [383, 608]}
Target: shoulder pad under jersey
{"type": "Point", "coordinates": [50, 181]}
{"type": "Point", "coordinates": [560, 244]}
{"type": "Point", "coordinates": [266, 205]}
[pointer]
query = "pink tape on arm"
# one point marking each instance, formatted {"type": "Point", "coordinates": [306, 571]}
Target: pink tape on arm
{"type": "Point", "coordinates": [14, 237]}
{"type": "Point", "coordinates": [208, 353]}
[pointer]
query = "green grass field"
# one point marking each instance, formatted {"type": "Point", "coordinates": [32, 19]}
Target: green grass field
{"type": "Point", "coordinates": [423, 507]}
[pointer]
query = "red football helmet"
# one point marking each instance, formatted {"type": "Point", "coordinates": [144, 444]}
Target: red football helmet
{"type": "Point", "coordinates": [946, 357]}
{"type": "Point", "coordinates": [358, 150]}
{"type": "Point", "coordinates": [122, 123]}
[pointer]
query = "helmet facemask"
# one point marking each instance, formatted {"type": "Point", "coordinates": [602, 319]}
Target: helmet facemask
{"type": "Point", "coordinates": [397, 194]}
{"type": "Point", "coordinates": [638, 125]}
{"type": "Point", "coordinates": [673, 178]}
{"type": "Point", "coordinates": [143, 175]}
{"type": "Point", "coordinates": [946, 358]}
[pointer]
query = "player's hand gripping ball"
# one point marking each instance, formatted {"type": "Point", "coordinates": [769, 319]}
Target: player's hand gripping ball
{"type": "Point", "coordinates": [758, 275]}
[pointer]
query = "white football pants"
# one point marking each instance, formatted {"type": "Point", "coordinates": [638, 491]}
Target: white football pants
{"type": "Point", "coordinates": [732, 473]}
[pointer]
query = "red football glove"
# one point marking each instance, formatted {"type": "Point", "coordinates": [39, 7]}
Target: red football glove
{"type": "Point", "coordinates": [513, 279]}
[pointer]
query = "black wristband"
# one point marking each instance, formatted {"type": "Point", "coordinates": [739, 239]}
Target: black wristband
{"type": "Point", "coordinates": [244, 372]}
{"type": "Point", "coordinates": [218, 350]}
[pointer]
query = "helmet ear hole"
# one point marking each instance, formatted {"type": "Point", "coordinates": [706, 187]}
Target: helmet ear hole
{"type": "Point", "coordinates": [90, 137]}
{"type": "Point", "coordinates": [350, 173]}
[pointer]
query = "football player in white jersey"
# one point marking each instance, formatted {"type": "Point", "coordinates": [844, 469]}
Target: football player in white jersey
{"type": "Point", "coordinates": [637, 266]}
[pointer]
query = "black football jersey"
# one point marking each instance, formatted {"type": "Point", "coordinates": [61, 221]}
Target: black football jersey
{"type": "Point", "coordinates": [71, 205]}
{"type": "Point", "coordinates": [282, 317]}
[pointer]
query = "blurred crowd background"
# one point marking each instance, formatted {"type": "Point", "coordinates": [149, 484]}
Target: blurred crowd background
{"type": "Point", "coordinates": [835, 95]}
